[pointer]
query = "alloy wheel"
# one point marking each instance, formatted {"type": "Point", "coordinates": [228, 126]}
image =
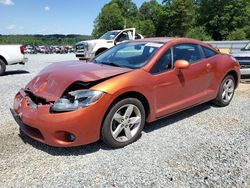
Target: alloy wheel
{"type": "Point", "coordinates": [228, 90]}
{"type": "Point", "coordinates": [126, 123]}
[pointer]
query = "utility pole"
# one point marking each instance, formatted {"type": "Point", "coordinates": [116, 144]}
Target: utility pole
{"type": "Point", "coordinates": [125, 23]}
{"type": "Point", "coordinates": [125, 20]}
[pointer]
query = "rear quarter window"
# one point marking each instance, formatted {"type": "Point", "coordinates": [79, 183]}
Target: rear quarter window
{"type": "Point", "coordinates": [208, 52]}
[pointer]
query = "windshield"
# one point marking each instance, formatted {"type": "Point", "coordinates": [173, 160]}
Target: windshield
{"type": "Point", "coordinates": [130, 54]}
{"type": "Point", "coordinates": [109, 35]}
{"type": "Point", "coordinates": [247, 46]}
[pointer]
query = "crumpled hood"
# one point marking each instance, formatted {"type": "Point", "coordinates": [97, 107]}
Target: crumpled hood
{"type": "Point", "coordinates": [52, 81]}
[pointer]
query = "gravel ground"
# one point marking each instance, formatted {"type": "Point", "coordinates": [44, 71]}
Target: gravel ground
{"type": "Point", "coordinates": [201, 147]}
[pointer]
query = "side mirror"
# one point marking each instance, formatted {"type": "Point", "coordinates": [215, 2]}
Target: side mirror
{"type": "Point", "coordinates": [181, 64]}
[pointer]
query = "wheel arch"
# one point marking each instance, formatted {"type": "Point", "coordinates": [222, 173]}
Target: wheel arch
{"type": "Point", "coordinates": [235, 75]}
{"type": "Point", "coordinates": [100, 50]}
{"type": "Point", "coordinates": [137, 95]}
{"type": "Point", "coordinates": [4, 60]}
{"type": "Point", "coordinates": [130, 94]}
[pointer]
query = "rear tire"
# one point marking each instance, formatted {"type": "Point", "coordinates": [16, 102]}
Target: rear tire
{"type": "Point", "coordinates": [124, 123]}
{"type": "Point", "coordinates": [2, 67]}
{"type": "Point", "coordinates": [226, 92]}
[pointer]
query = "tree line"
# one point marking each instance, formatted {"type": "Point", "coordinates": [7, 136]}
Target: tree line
{"type": "Point", "coordinates": [37, 40]}
{"type": "Point", "coordinates": [200, 19]}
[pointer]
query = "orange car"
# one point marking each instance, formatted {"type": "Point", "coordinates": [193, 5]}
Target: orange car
{"type": "Point", "coordinates": [75, 103]}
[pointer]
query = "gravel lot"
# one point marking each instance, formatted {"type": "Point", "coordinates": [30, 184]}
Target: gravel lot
{"type": "Point", "coordinates": [201, 147]}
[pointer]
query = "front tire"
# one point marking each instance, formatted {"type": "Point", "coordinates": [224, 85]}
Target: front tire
{"type": "Point", "coordinates": [123, 123]}
{"type": "Point", "coordinates": [226, 92]}
{"type": "Point", "coordinates": [2, 67]}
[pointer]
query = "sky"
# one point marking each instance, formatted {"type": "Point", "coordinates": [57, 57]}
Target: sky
{"type": "Point", "coordinates": [50, 16]}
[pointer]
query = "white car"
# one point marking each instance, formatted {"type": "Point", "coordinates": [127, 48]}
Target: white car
{"type": "Point", "coordinates": [11, 54]}
{"type": "Point", "coordinates": [91, 48]}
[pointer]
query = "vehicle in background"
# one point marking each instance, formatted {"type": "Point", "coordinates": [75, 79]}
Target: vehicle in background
{"type": "Point", "coordinates": [30, 50]}
{"type": "Point", "coordinates": [69, 49]}
{"type": "Point", "coordinates": [36, 48]}
{"type": "Point", "coordinates": [85, 50]}
{"type": "Point", "coordinates": [50, 49]}
{"type": "Point", "coordinates": [243, 57]}
{"type": "Point", "coordinates": [42, 49]}
{"type": "Point", "coordinates": [61, 50]}
{"type": "Point", "coordinates": [10, 55]}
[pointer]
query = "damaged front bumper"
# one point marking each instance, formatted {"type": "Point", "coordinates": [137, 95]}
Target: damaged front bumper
{"type": "Point", "coordinates": [68, 129]}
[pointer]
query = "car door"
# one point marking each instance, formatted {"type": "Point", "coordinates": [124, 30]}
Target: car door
{"type": "Point", "coordinates": [196, 79]}
{"type": "Point", "coordinates": [125, 35]}
{"type": "Point", "coordinates": [168, 88]}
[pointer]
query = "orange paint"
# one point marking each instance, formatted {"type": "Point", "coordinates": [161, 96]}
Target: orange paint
{"type": "Point", "coordinates": [166, 93]}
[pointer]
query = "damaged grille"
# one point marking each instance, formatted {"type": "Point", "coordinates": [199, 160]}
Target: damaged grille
{"type": "Point", "coordinates": [33, 100]}
{"type": "Point", "coordinates": [81, 47]}
{"type": "Point", "coordinates": [79, 85]}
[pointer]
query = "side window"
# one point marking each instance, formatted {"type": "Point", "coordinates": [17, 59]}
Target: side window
{"type": "Point", "coordinates": [208, 53]}
{"type": "Point", "coordinates": [188, 52]}
{"type": "Point", "coordinates": [126, 35]}
{"type": "Point", "coordinates": [164, 63]}
{"type": "Point", "coordinates": [137, 36]}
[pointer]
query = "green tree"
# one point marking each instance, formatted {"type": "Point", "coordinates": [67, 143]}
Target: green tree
{"type": "Point", "coordinates": [149, 16]}
{"type": "Point", "coordinates": [238, 34]}
{"type": "Point", "coordinates": [247, 31]}
{"type": "Point", "coordinates": [221, 17]}
{"type": "Point", "coordinates": [150, 10]}
{"type": "Point", "coordinates": [178, 17]}
{"type": "Point", "coordinates": [147, 28]}
{"type": "Point", "coordinates": [129, 12]}
{"type": "Point", "coordinates": [42, 39]}
{"type": "Point", "coordinates": [127, 7]}
{"type": "Point", "coordinates": [110, 18]}
{"type": "Point", "coordinates": [198, 33]}
{"type": "Point", "coordinates": [201, 19]}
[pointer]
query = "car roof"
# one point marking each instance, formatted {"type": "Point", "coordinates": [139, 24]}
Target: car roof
{"type": "Point", "coordinates": [169, 39]}
{"type": "Point", "coordinates": [115, 31]}
{"type": "Point", "coordinates": [176, 40]}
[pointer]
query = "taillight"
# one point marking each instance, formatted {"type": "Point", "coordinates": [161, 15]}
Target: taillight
{"type": "Point", "coordinates": [22, 49]}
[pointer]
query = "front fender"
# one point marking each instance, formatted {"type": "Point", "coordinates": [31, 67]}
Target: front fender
{"type": "Point", "coordinates": [102, 45]}
{"type": "Point", "coordinates": [133, 81]}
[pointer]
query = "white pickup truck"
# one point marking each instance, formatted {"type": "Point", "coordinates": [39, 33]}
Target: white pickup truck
{"type": "Point", "coordinates": [10, 55]}
{"type": "Point", "coordinates": [243, 57]}
{"type": "Point", "coordinates": [88, 49]}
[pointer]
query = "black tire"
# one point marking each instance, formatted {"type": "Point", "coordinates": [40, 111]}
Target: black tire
{"type": "Point", "coordinates": [100, 51]}
{"type": "Point", "coordinates": [106, 132]}
{"type": "Point", "coordinates": [2, 67]}
{"type": "Point", "coordinates": [219, 100]}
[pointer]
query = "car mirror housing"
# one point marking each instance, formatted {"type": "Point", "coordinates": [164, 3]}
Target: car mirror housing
{"type": "Point", "coordinates": [181, 64]}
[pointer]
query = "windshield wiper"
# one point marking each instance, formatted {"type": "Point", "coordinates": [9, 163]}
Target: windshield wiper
{"type": "Point", "coordinates": [110, 63]}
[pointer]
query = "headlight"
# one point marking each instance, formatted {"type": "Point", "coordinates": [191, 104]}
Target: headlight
{"type": "Point", "coordinates": [76, 99]}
